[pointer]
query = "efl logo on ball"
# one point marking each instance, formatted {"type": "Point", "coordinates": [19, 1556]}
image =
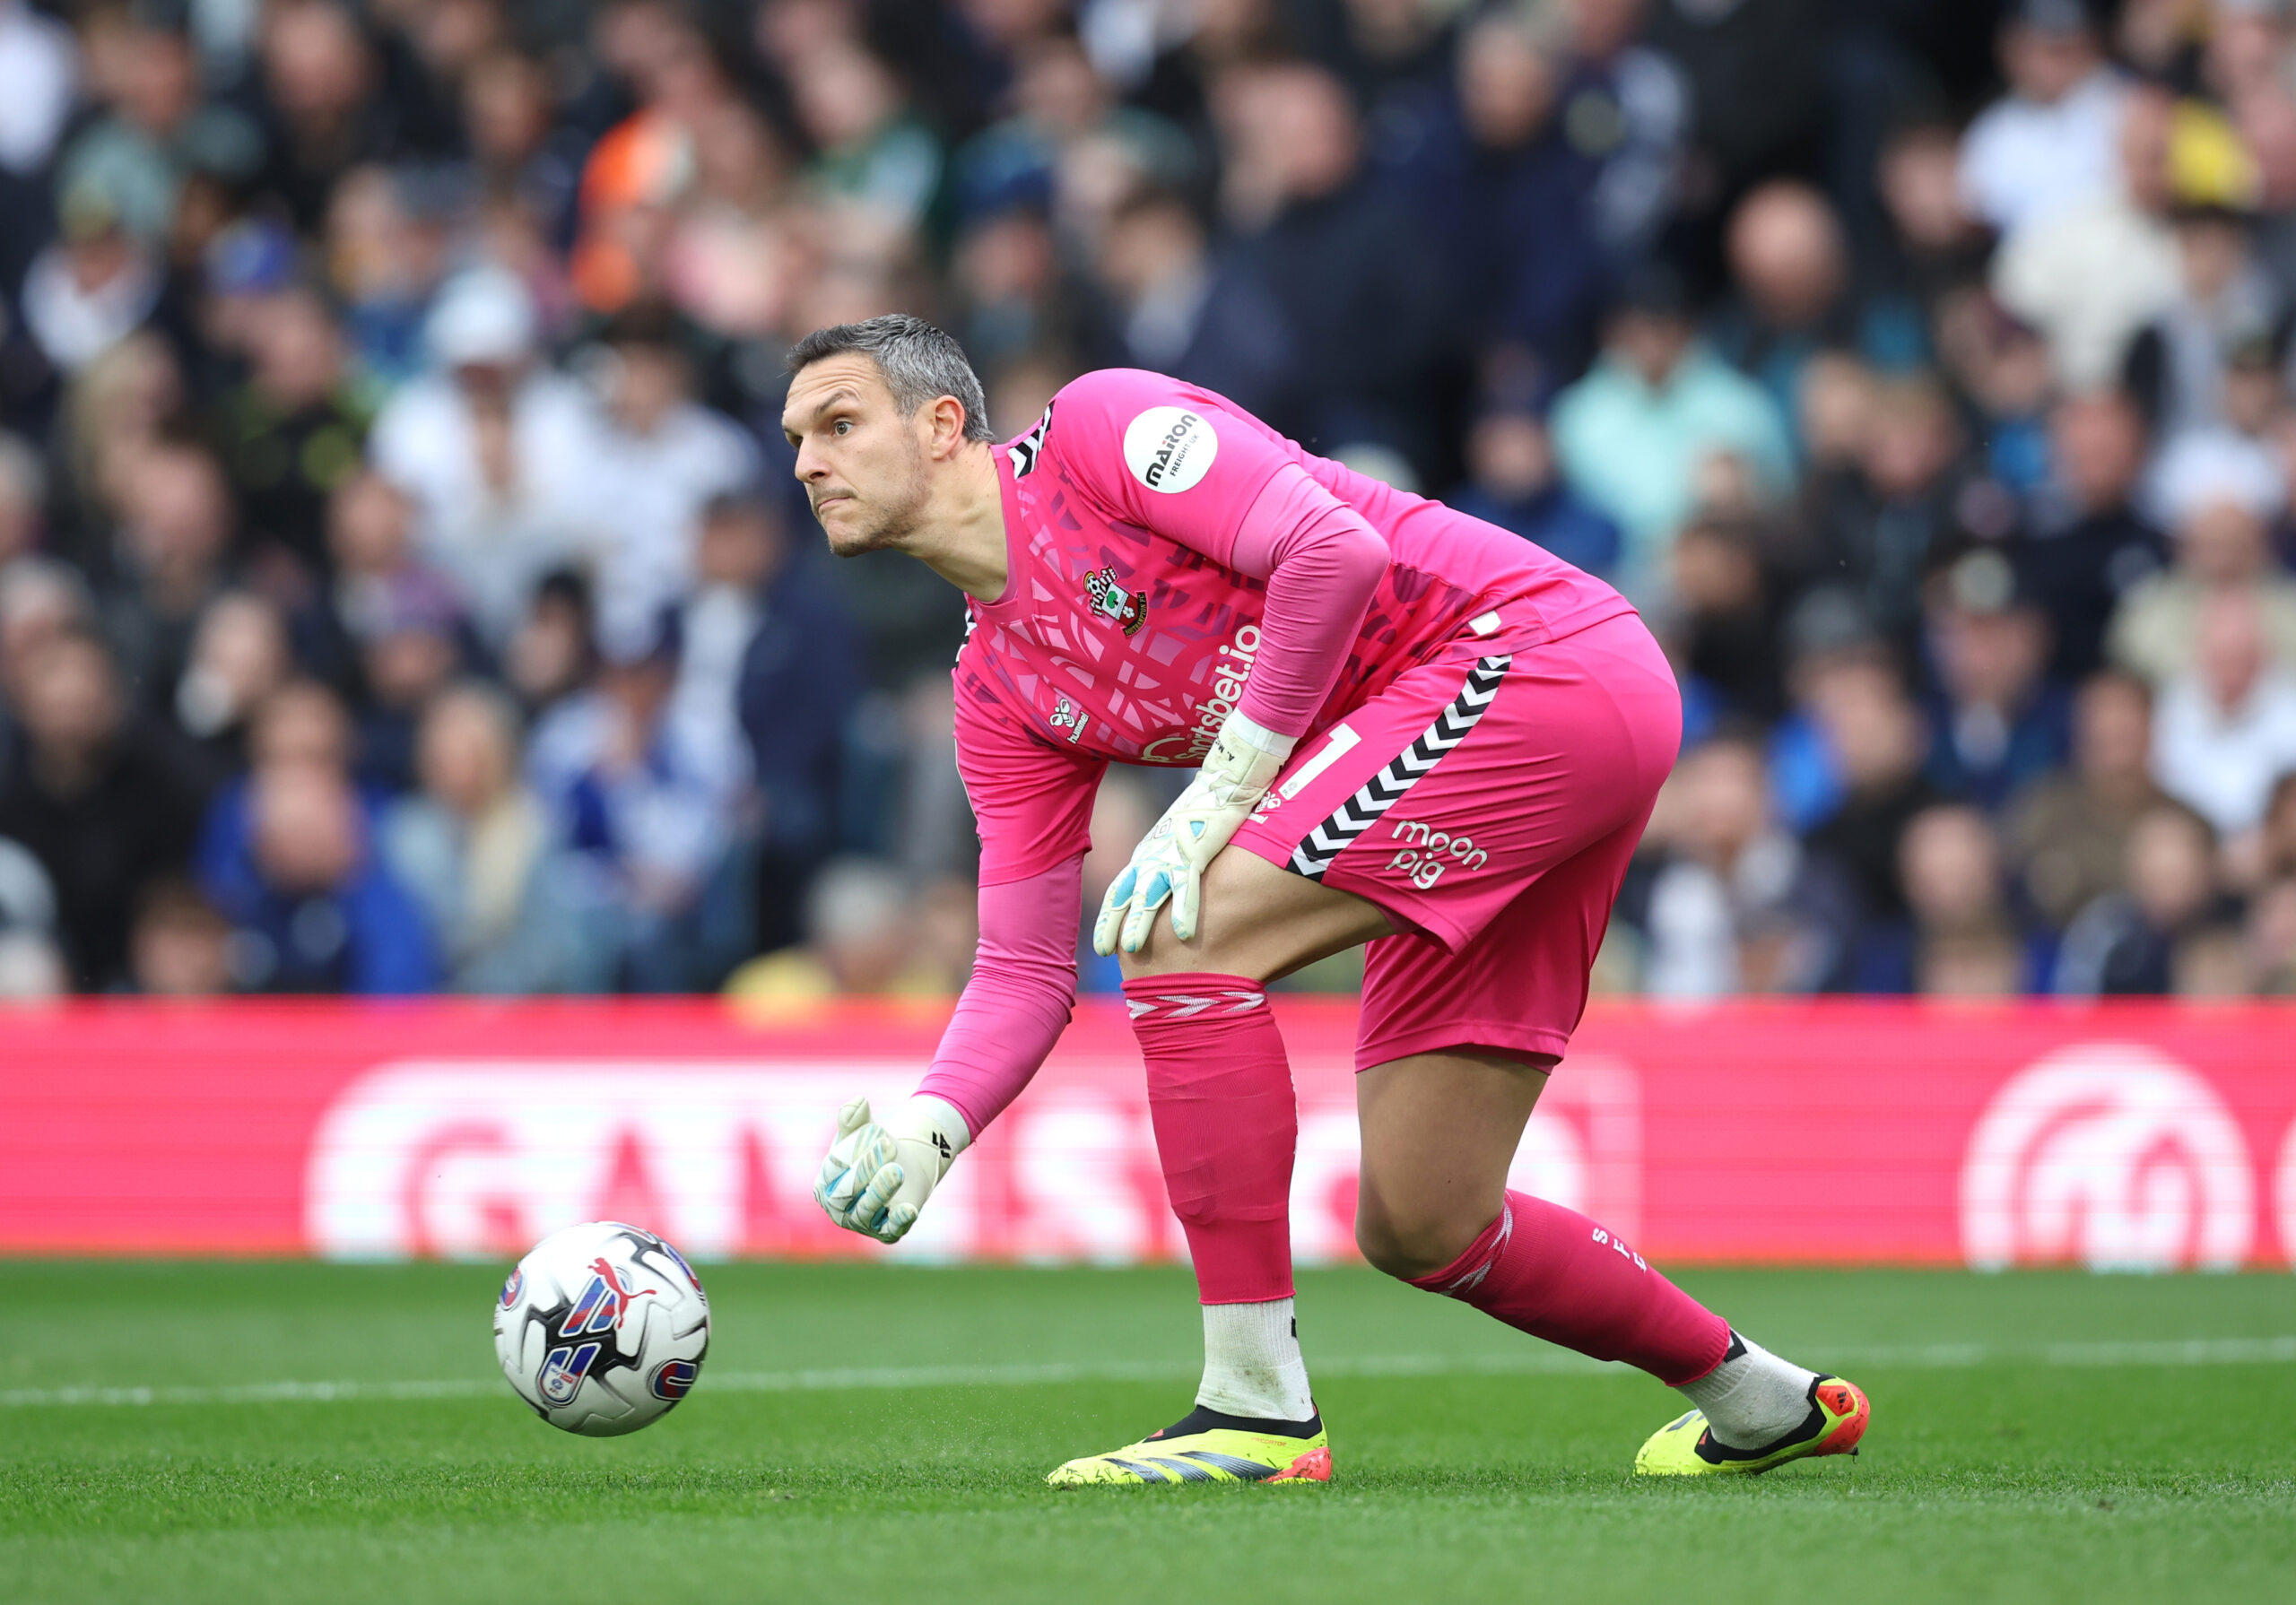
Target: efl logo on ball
{"type": "Point", "coordinates": [1170, 448]}
{"type": "Point", "coordinates": [563, 1373]}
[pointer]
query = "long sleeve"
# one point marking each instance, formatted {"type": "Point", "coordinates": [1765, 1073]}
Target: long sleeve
{"type": "Point", "coordinates": [1015, 1006]}
{"type": "Point", "coordinates": [1321, 561]}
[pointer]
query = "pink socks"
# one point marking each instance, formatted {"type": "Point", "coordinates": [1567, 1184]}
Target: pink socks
{"type": "Point", "coordinates": [1553, 1273]}
{"type": "Point", "coordinates": [1220, 1096]}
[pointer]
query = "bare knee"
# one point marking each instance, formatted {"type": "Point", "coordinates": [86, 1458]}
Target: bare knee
{"type": "Point", "coordinates": [1408, 1243]}
{"type": "Point", "coordinates": [1164, 954]}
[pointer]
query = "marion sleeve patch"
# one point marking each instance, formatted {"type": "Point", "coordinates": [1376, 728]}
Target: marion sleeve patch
{"type": "Point", "coordinates": [1170, 449]}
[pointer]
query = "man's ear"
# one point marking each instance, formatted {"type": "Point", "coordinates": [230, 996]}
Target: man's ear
{"type": "Point", "coordinates": [945, 420]}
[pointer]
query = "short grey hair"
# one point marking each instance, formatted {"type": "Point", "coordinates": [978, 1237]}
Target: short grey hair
{"type": "Point", "coordinates": [921, 364]}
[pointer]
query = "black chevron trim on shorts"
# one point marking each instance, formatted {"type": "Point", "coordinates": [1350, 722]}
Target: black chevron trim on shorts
{"type": "Point", "coordinates": [1352, 818]}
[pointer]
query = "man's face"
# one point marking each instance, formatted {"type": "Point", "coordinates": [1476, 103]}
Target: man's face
{"type": "Point", "coordinates": [861, 461]}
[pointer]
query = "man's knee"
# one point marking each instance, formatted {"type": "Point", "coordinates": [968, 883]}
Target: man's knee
{"type": "Point", "coordinates": [1164, 954]}
{"type": "Point", "coordinates": [1409, 1245]}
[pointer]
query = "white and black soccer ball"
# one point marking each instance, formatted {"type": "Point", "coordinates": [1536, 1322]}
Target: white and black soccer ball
{"type": "Point", "coordinates": [602, 1328]}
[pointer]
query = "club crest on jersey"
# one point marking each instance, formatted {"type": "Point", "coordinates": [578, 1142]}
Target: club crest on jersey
{"type": "Point", "coordinates": [605, 1299]}
{"type": "Point", "coordinates": [1110, 599]}
{"type": "Point", "coordinates": [562, 1373]}
{"type": "Point", "coordinates": [1066, 716]}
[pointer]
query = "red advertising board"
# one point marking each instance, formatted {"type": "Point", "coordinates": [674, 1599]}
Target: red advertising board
{"type": "Point", "coordinates": [2136, 1136]}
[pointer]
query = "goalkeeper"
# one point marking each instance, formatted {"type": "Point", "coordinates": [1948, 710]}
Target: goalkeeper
{"type": "Point", "coordinates": [1409, 729]}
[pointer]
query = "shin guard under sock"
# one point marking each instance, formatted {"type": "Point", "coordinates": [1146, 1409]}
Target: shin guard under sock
{"type": "Point", "coordinates": [1220, 1098]}
{"type": "Point", "coordinates": [1553, 1273]}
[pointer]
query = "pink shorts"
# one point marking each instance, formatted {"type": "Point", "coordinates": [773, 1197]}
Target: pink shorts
{"type": "Point", "coordinates": [1488, 801]}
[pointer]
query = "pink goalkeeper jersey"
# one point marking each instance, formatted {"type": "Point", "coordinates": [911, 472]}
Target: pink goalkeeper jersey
{"type": "Point", "coordinates": [1172, 559]}
{"type": "Point", "coordinates": [1145, 521]}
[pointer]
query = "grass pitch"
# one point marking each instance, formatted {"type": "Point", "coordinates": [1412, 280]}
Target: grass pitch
{"type": "Point", "coordinates": [862, 1432]}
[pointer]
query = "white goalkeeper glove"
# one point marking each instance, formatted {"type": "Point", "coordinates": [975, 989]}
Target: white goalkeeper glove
{"type": "Point", "coordinates": [1169, 862]}
{"type": "Point", "coordinates": [876, 1178]}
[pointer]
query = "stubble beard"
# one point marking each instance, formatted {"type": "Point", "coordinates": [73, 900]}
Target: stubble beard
{"type": "Point", "coordinates": [897, 516]}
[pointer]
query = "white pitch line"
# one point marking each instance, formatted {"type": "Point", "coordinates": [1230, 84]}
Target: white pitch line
{"type": "Point", "coordinates": [2164, 1353]}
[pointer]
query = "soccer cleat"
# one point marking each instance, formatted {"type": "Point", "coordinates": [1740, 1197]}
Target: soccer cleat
{"type": "Point", "coordinates": [1206, 1447]}
{"type": "Point", "coordinates": [1686, 1447]}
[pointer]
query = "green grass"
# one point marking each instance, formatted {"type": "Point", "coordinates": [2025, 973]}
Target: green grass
{"type": "Point", "coordinates": [2037, 1437]}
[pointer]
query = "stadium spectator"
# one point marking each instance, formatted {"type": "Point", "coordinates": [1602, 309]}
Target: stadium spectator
{"type": "Point", "coordinates": [173, 552]}
{"type": "Point", "coordinates": [31, 966]}
{"type": "Point", "coordinates": [655, 458]}
{"type": "Point", "coordinates": [1319, 229]}
{"type": "Point", "coordinates": [41, 599]}
{"type": "Point", "coordinates": [2226, 312]}
{"type": "Point", "coordinates": [1791, 268]}
{"type": "Point", "coordinates": [322, 913]}
{"type": "Point", "coordinates": [1960, 939]}
{"type": "Point", "coordinates": [652, 814]}
{"type": "Point", "coordinates": [2274, 858]}
{"type": "Point", "coordinates": [482, 859]}
{"type": "Point", "coordinates": [1632, 435]}
{"type": "Point", "coordinates": [1631, 108]}
{"type": "Point", "coordinates": [1065, 144]}
{"type": "Point", "coordinates": [768, 678]}
{"type": "Point", "coordinates": [2126, 942]}
{"type": "Point", "coordinates": [94, 797]}
{"type": "Point", "coordinates": [181, 943]}
{"type": "Point", "coordinates": [40, 81]}
{"type": "Point", "coordinates": [154, 127]}
{"type": "Point", "coordinates": [239, 656]}
{"type": "Point", "coordinates": [493, 448]}
{"type": "Point", "coordinates": [371, 565]}
{"type": "Point", "coordinates": [2225, 730]}
{"type": "Point", "coordinates": [2000, 722]}
{"type": "Point", "coordinates": [1724, 628]}
{"type": "Point", "coordinates": [293, 430]}
{"type": "Point", "coordinates": [732, 259]}
{"type": "Point", "coordinates": [872, 154]}
{"type": "Point", "coordinates": [2050, 142]}
{"type": "Point", "coordinates": [1756, 75]}
{"type": "Point", "coordinates": [2067, 832]}
{"type": "Point", "coordinates": [410, 648]}
{"type": "Point", "coordinates": [1738, 903]}
{"type": "Point", "coordinates": [1878, 740]}
{"type": "Point", "coordinates": [2088, 545]}
{"type": "Point", "coordinates": [1179, 306]}
{"type": "Point", "coordinates": [1881, 527]}
{"type": "Point", "coordinates": [2272, 940]}
{"type": "Point", "coordinates": [1508, 198]}
{"type": "Point", "coordinates": [2091, 272]}
{"type": "Point", "coordinates": [555, 652]}
{"type": "Point", "coordinates": [1512, 481]}
{"type": "Point", "coordinates": [1930, 249]}
{"type": "Point", "coordinates": [2221, 545]}
{"type": "Point", "coordinates": [863, 937]}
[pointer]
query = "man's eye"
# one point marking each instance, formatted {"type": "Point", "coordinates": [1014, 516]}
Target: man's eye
{"type": "Point", "coordinates": [841, 425]}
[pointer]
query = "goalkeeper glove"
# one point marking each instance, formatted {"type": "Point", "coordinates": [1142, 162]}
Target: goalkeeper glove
{"type": "Point", "coordinates": [876, 1178]}
{"type": "Point", "coordinates": [1169, 862]}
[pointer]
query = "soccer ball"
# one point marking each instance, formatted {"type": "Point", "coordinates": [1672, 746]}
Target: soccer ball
{"type": "Point", "coordinates": [602, 1328]}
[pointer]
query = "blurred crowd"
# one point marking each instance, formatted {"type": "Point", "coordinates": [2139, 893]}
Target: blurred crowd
{"type": "Point", "coordinates": [403, 588]}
